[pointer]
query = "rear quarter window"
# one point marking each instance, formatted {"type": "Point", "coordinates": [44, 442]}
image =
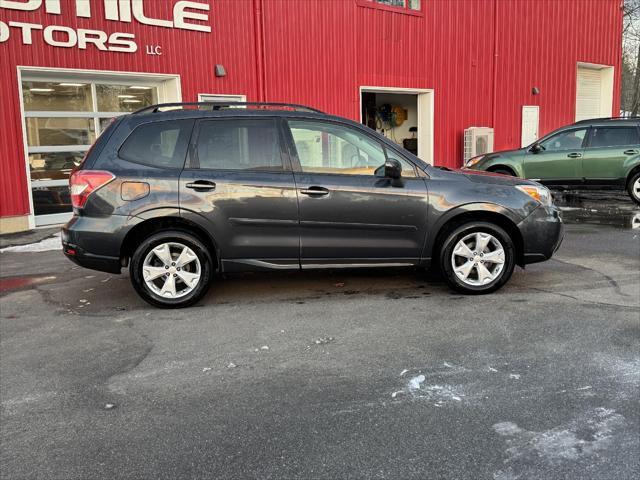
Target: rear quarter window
{"type": "Point", "coordinates": [159, 144]}
{"type": "Point", "coordinates": [614, 136]}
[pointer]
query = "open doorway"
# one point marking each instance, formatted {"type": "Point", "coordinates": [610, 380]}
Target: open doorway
{"type": "Point", "coordinates": [405, 116]}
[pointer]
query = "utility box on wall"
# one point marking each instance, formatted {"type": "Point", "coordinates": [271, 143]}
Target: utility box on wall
{"type": "Point", "coordinates": [477, 141]}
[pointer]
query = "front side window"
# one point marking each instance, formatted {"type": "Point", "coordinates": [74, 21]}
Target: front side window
{"type": "Point", "coordinates": [159, 144]}
{"type": "Point", "coordinates": [336, 149]}
{"type": "Point", "coordinates": [330, 148]}
{"type": "Point", "coordinates": [570, 140]}
{"type": "Point", "coordinates": [614, 136]}
{"type": "Point", "coordinates": [242, 144]}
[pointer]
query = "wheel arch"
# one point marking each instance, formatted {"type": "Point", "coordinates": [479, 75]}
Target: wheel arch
{"type": "Point", "coordinates": [480, 213]}
{"type": "Point", "coordinates": [154, 225]}
{"type": "Point", "coordinates": [501, 166]}
{"type": "Point", "coordinates": [631, 173]}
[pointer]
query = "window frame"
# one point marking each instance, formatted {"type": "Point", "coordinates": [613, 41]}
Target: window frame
{"type": "Point", "coordinates": [373, 4]}
{"type": "Point", "coordinates": [594, 127]}
{"type": "Point", "coordinates": [193, 162]}
{"type": "Point", "coordinates": [297, 166]}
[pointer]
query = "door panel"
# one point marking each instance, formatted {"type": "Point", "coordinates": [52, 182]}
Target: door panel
{"type": "Point", "coordinates": [559, 159]}
{"type": "Point", "coordinates": [238, 183]}
{"type": "Point", "coordinates": [348, 214]}
{"type": "Point", "coordinates": [361, 218]}
{"type": "Point", "coordinates": [609, 148]}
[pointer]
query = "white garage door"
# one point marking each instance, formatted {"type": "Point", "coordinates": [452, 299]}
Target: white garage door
{"type": "Point", "coordinates": [588, 93]}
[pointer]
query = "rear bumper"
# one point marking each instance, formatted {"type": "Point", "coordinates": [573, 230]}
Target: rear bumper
{"type": "Point", "coordinates": [542, 232]}
{"type": "Point", "coordinates": [95, 242]}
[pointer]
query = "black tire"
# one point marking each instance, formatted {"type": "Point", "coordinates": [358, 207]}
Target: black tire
{"type": "Point", "coordinates": [630, 188]}
{"type": "Point", "coordinates": [503, 171]}
{"type": "Point", "coordinates": [460, 232]}
{"type": "Point", "coordinates": [173, 236]}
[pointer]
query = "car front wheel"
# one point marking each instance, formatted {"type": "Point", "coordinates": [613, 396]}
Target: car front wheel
{"type": "Point", "coordinates": [633, 188]}
{"type": "Point", "coordinates": [477, 258]}
{"type": "Point", "coordinates": [171, 269]}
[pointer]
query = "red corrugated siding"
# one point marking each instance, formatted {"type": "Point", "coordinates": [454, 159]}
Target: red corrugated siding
{"type": "Point", "coordinates": [320, 53]}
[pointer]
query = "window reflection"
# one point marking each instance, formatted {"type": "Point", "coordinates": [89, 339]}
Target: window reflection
{"type": "Point", "coordinates": [57, 96]}
{"type": "Point", "coordinates": [53, 166]}
{"type": "Point", "coordinates": [59, 131]}
{"type": "Point", "coordinates": [49, 200]}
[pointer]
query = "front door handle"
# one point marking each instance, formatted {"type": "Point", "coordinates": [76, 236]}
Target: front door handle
{"type": "Point", "coordinates": [315, 191]}
{"type": "Point", "coordinates": [574, 155]}
{"type": "Point", "coordinates": [201, 185]}
{"type": "Point", "coordinates": [630, 152]}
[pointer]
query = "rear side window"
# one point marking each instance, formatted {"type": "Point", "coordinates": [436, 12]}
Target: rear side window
{"type": "Point", "coordinates": [613, 137]}
{"type": "Point", "coordinates": [160, 144]}
{"type": "Point", "coordinates": [239, 144]}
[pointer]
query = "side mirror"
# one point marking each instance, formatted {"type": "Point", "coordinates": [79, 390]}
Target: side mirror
{"type": "Point", "coordinates": [392, 169]}
{"type": "Point", "coordinates": [536, 148]}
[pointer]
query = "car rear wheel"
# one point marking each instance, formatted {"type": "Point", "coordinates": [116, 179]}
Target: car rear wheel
{"type": "Point", "coordinates": [633, 188]}
{"type": "Point", "coordinates": [477, 258]}
{"type": "Point", "coordinates": [171, 269]}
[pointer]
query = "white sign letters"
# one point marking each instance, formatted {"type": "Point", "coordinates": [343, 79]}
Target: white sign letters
{"type": "Point", "coordinates": [184, 13]}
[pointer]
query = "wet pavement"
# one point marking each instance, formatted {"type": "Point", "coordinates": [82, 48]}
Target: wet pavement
{"type": "Point", "coordinates": [598, 208]}
{"type": "Point", "coordinates": [356, 374]}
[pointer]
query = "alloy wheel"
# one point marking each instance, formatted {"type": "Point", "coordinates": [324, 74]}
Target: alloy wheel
{"type": "Point", "coordinates": [478, 259]}
{"type": "Point", "coordinates": [635, 189]}
{"type": "Point", "coordinates": [171, 270]}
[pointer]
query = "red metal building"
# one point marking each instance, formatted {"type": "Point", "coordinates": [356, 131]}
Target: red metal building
{"type": "Point", "coordinates": [67, 66]}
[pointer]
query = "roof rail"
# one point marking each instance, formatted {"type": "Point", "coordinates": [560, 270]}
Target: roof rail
{"type": "Point", "coordinates": [224, 105]}
{"type": "Point", "coordinates": [605, 119]}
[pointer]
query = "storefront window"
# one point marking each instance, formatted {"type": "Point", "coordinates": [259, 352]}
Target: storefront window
{"type": "Point", "coordinates": [122, 98]}
{"type": "Point", "coordinates": [53, 165]}
{"type": "Point", "coordinates": [57, 96]}
{"type": "Point", "coordinates": [59, 131]}
{"type": "Point", "coordinates": [62, 120]}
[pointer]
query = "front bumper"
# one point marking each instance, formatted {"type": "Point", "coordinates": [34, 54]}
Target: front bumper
{"type": "Point", "coordinates": [542, 233]}
{"type": "Point", "coordinates": [95, 242]}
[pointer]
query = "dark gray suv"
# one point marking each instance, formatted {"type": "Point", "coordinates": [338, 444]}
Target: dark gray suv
{"type": "Point", "coordinates": [179, 192]}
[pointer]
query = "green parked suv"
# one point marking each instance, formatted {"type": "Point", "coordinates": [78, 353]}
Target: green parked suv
{"type": "Point", "coordinates": [597, 153]}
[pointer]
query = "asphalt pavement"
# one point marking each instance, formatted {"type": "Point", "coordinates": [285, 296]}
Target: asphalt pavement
{"type": "Point", "coordinates": [331, 375]}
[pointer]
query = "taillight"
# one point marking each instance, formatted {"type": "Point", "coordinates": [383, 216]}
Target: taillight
{"type": "Point", "coordinates": [85, 182]}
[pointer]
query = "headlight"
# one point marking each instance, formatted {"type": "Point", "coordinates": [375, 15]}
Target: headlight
{"type": "Point", "coordinates": [472, 161]}
{"type": "Point", "coordinates": [537, 192]}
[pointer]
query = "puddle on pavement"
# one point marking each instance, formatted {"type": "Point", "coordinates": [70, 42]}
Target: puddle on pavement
{"type": "Point", "coordinates": [17, 283]}
{"type": "Point", "coordinates": [598, 208]}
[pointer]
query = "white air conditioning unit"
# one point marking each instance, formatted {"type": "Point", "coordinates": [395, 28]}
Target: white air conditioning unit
{"type": "Point", "coordinates": [477, 141]}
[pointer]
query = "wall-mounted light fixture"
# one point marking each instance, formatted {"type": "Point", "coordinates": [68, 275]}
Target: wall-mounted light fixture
{"type": "Point", "coordinates": [220, 71]}
{"type": "Point", "coordinates": [535, 91]}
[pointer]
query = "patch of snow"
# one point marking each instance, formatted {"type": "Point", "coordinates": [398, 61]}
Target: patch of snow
{"type": "Point", "coordinates": [586, 435]}
{"type": "Point", "coordinates": [403, 372]}
{"type": "Point", "coordinates": [46, 245]}
{"type": "Point", "coordinates": [231, 365]}
{"type": "Point", "coordinates": [414, 383]}
{"type": "Point", "coordinates": [515, 376]}
{"type": "Point", "coordinates": [109, 406]}
{"type": "Point", "coordinates": [264, 347]}
{"type": "Point", "coordinates": [491, 369]}
{"type": "Point", "coordinates": [206, 369]}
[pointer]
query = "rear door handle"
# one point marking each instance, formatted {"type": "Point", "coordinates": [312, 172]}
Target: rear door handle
{"type": "Point", "coordinates": [201, 185]}
{"type": "Point", "coordinates": [630, 152]}
{"type": "Point", "coordinates": [315, 191]}
{"type": "Point", "coordinates": [574, 155]}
